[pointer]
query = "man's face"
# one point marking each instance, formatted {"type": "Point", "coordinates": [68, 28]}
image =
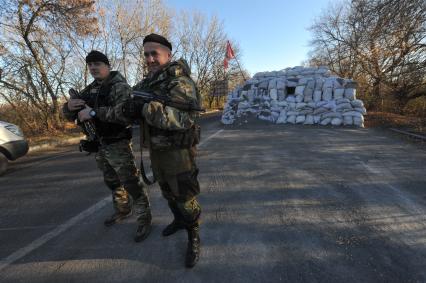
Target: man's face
{"type": "Point", "coordinates": [156, 55]}
{"type": "Point", "coordinates": [98, 70]}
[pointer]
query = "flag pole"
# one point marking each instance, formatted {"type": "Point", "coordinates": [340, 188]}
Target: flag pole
{"type": "Point", "coordinates": [232, 56]}
{"type": "Point", "coordinates": [240, 69]}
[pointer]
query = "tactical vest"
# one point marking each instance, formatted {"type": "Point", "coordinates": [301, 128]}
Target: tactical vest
{"type": "Point", "coordinates": [98, 96]}
{"type": "Point", "coordinates": [160, 139]}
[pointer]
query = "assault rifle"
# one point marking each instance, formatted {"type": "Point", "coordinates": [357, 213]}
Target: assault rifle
{"type": "Point", "coordinates": [88, 126]}
{"type": "Point", "coordinates": [166, 100]}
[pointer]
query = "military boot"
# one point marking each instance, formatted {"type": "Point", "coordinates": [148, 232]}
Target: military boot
{"type": "Point", "coordinates": [122, 206]}
{"type": "Point", "coordinates": [116, 218]}
{"type": "Point", "coordinates": [143, 212]}
{"type": "Point", "coordinates": [193, 249]}
{"type": "Point", "coordinates": [177, 223]}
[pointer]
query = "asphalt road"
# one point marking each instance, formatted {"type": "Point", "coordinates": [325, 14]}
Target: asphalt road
{"type": "Point", "coordinates": [280, 203]}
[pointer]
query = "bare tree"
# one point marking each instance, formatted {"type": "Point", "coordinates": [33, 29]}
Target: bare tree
{"type": "Point", "coordinates": [202, 42]}
{"type": "Point", "coordinates": [378, 42]}
{"type": "Point", "coordinates": [36, 49]}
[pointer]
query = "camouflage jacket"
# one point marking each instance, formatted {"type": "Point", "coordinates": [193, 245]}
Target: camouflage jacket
{"type": "Point", "coordinates": [173, 80]}
{"type": "Point", "coordinates": [103, 98]}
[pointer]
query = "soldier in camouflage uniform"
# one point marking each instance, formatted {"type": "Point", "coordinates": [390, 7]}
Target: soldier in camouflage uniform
{"type": "Point", "coordinates": [170, 134]}
{"type": "Point", "coordinates": [114, 154]}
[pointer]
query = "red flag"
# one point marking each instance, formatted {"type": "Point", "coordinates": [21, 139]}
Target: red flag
{"type": "Point", "coordinates": [229, 51]}
{"type": "Point", "coordinates": [228, 55]}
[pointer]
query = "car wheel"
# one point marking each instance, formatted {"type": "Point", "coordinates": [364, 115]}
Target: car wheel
{"type": "Point", "coordinates": [3, 163]}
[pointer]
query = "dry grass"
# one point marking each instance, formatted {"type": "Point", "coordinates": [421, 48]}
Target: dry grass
{"type": "Point", "coordinates": [391, 120]}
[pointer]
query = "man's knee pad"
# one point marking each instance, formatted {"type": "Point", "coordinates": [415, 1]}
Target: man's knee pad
{"type": "Point", "coordinates": [190, 211]}
{"type": "Point", "coordinates": [120, 199]}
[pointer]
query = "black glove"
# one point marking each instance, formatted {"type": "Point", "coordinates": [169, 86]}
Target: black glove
{"type": "Point", "coordinates": [132, 108]}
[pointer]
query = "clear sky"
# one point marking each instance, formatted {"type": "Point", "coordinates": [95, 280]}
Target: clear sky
{"type": "Point", "coordinates": [272, 34]}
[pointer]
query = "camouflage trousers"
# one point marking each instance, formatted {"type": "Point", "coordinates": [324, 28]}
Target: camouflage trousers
{"type": "Point", "coordinates": [117, 162]}
{"type": "Point", "coordinates": [177, 174]}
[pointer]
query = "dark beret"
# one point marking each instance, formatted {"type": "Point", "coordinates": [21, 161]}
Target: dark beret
{"type": "Point", "coordinates": [157, 38]}
{"type": "Point", "coordinates": [96, 56]}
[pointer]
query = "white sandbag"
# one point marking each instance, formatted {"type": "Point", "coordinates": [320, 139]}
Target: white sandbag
{"type": "Point", "coordinates": [292, 113]}
{"type": "Point", "coordinates": [272, 84]}
{"type": "Point", "coordinates": [280, 84]}
{"type": "Point", "coordinates": [303, 80]}
{"type": "Point", "coordinates": [300, 119]}
{"type": "Point", "coordinates": [331, 115]}
{"type": "Point", "coordinates": [348, 120]}
{"type": "Point", "coordinates": [250, 95]}
{"type": "Point", "coordinates": [320, 110]}
{"type": "Point", "coordinates": [227, 120]}
{"type": "Point", "coordinates": [328, 84]}
{"type": "Point", "coordinates": [281, 94]}
{"type": "Point", "coordinates": [273, 94]}
{"type": "Point", "coordinates": [309, 91]}
{"type": "Point", "coordinates": [319, 84]}
{"type": "Point", "coordinates": [317, 95]}
{"type": "Point", "coordinates": [301, 105]}
{"type": "Point", "coordinates": [244, 95]}
{"type": "Point", "coordinates": [281, 120]}
{"type": "Point", "coordinates": [317, 119]}
{"type": "Point", "coordinates": [342, 100]}
{"type": "Point", "coordinates": [309, 120]}
{"type": "Point", "coordinates": [311, 104]}
{"type": "Point", "coordinates": [308, 98]}
{"type": "Point", "coordinates": [330, 105]}
{"type": "Point", "coordinates": [282, 103]}
{"type": "Point", "coordinates": [263, 84]}
{"type": "Point", "coordinates": [275, 115]}
{"type": "Point", "coordinates": [266, 118]}
{"type": "Point", "coordinates": [361, 110]}
{"type": "Point", "coordinates": [299, 98]}
{"type": "Point", "coordinates": [338, 93]}
{"type": "Point", "coordinates": [292, 105]}
{"type": "Point", "coordinates": [243, 105]}
{"type": "Point", "coordinates": [325, 122]}
{"type": "Point", "coordinates": [276, 109]}
{"type": "Point", "coordinates": [359, 121]}
{"type": "Point", "coordinates": [350, 93]}
{"type": "Point", "coordinates": [291, 98]}
{"type": "Point", "coordinates": [353, 114]}
{"type": "Point", "coordinates": [357, 103]}
{"type": "Point", "coordinates": [327, 94]}
{"type": "Point", "coordinates": [291, 119]}
{"type": "Point", "coordinates": [306, 111]}
{"type": "Point", "coordinates": [343, 106]}
{"type": "Point", "coordinates": [299, 90]}
{"type": "Point", "coordinates": [336, 121]}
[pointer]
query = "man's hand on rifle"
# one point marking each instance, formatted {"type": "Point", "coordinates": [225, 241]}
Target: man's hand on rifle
{"type": "Point", "coordinates": [84, 114]}
{"type": "Point", "coordinates": [75, 104]}
{"type": "Point", "coordinates": [132, 108]}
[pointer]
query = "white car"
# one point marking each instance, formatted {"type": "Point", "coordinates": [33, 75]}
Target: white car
{"type": "Point", "coordinates": [12, 144]}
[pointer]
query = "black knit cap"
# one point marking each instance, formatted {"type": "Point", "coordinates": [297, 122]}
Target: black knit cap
{"type": "Point", "coordinates": [157, 38]}
{"type": "Point", "coordinates": [96, 56]}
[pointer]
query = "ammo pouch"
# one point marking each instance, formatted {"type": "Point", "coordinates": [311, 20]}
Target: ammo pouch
{"type": "Point", "coordinates": [89, 146]}
{"type": "Point", "coordinates": [167, 140]}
